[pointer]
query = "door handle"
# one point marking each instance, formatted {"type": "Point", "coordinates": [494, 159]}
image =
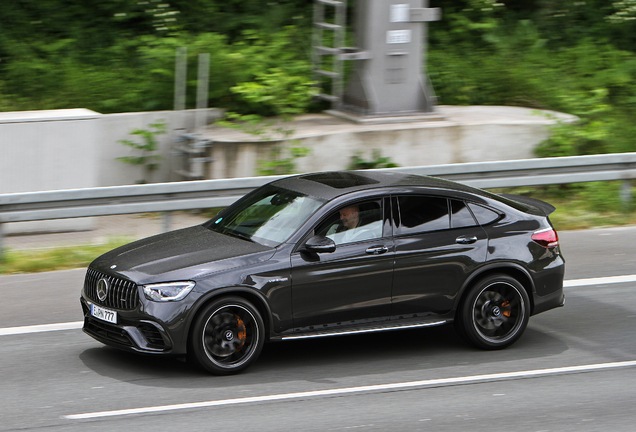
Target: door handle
{"type": "Point", "coordinates": [465, 240]}
{"type": "Point", "coordinates": [377, 250]}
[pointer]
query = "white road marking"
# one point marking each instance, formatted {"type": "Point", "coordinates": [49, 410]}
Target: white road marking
{"type": "Point", "coordinates": [599, 281]}
{"type": "Point", "coordinates": [361, 389]}
{"type": "Point", "coordinates": [41, 328]}
{"type": "Point", "coordinates": [78, 324]}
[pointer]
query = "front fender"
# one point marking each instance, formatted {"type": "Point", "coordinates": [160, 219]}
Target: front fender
{"type": "Point", "coordinates": [254, 296]}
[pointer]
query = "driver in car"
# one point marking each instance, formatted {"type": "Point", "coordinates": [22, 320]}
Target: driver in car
{"type": "Point", "coordinates": [350, 217]}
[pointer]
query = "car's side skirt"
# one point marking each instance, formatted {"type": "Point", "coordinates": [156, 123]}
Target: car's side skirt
{"type": "Point", "coordinates": [360, 330]}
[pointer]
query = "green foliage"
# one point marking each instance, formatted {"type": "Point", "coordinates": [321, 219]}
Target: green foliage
{"type": "Point", "coordinates": [377, 161]}
{"type": "Point", "coordinates": [588, 135]}
{"type": "Point", "coordinates": [275, 92]}
{"type": "Point", "coordinates": [233, 17]}
{"type": "Point", "coordinates": [136, 73]}
{"type": "Point", "coordinates": [147, 157]}
{"type": "Point", "coordinates": [602, 196]}
{"type": "Point", "coordinates": [281, 161]}
{"type": "Point", "coordinates": [571, 139]}
{"type": "Point", "coordinates": [276, 70]}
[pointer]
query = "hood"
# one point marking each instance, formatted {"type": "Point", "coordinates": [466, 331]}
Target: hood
{"type": "Point", "coordinates": [184, 254]}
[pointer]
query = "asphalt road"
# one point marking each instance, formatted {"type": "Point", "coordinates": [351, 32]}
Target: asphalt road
{"type": "Point", "coordinates": [573, 370]}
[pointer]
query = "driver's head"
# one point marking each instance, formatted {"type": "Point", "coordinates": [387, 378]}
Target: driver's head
{"type": "Point", "coordinates": [350, 216]}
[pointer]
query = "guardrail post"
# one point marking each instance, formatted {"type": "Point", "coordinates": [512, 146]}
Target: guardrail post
{"type": "Point", "coordinates": [1, 239]}
{"type": "Point", "coordinates": [167, 221]}
{"type": "Point", "coordinates": [626, 194]}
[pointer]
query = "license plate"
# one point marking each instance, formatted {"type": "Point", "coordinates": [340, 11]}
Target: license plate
{"type": "Point", "coordinates": [104, 314]}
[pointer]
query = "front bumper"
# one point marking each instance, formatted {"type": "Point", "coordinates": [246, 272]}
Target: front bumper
{"type": "Point", "coordinates": [136, 331]}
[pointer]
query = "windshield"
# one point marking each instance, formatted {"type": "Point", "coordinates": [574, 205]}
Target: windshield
{"type": "Point", "coordinates": [268, 216]}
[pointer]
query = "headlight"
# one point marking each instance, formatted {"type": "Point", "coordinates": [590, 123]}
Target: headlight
{"type": "Point", "coordinates": [171, 291]}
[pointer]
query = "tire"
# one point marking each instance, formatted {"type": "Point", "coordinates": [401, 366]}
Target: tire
{"type": "Point", "coordinates": [227, 336]}
{"type": "Point", "coordinates": [494, 313]}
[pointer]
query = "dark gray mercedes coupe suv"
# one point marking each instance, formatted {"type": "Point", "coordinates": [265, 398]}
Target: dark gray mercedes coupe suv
{"type": "Point", "coordinates": [329, 254]}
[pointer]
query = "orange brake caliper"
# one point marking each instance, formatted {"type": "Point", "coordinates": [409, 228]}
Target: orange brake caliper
{"type": "Point", "coordinates": [506, 312]}
{"type": "Point", "coordinates": [241, 333]}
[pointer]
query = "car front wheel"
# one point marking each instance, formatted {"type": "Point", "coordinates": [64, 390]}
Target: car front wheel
{"type": "Point", "coordinates": [495, 312]}
{"type": "Point", "coordinates": [227, 336]}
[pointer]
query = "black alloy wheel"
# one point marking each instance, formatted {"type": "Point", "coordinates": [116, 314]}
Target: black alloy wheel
{"type": "Point", "coordinates": [227, 336]}
{"type": "Point", "coordinates": [494, 313]}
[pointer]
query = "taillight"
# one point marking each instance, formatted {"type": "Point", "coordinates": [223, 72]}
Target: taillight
{"type": "Point", "coordinates": [546, 238]}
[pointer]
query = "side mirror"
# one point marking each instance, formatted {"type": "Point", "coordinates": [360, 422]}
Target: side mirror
{"type": "Point", "coordinates": [320, 244]}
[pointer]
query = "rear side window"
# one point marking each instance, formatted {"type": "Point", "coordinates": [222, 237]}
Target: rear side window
{"type": "Point", "coordinates": [484, 215]}
{"type": "Point", "coordinates": [422, 213]}
{"type": "Point", "coordinates": [460, 215]}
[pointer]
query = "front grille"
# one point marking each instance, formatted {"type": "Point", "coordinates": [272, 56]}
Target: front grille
{"type": "Point", "coordinates": [122, 294]}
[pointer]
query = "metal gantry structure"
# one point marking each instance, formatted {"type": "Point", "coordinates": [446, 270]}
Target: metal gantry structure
{"type": "Point", "coordinates": [330, 45]}
{"type": "Point", "coordinates": [389, 76]}
{"type": "Point", "coordinates": [191, 148]}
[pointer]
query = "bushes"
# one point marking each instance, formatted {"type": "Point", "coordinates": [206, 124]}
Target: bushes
{"type": "Point", "coordinates": [137, 74]}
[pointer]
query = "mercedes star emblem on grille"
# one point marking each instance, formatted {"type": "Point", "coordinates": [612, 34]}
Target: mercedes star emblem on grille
{"type": "Point", "coordinates": [102, 289]}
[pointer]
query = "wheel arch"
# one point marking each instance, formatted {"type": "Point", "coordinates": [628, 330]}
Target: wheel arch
{"type": "Point", "coordinates": [249, 294]}
{"type": "Point", "coordinates": [513, 270]}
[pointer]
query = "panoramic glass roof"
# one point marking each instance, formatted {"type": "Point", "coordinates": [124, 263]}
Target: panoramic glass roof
{"type": "Point", "coordinates": [340, 180]}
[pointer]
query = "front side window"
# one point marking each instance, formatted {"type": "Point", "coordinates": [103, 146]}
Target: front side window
{"type": "Point", "coordinates": [422, 213]}
{"type": "Point", "coordinates": [353, 223]}
{"type": "Point", "coordinates": [269, 216]}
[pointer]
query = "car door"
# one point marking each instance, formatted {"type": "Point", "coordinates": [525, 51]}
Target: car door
{"type": "Point", "coordinates": [351, 285]}
{"type": "Point", "coordinates": [438, 244]}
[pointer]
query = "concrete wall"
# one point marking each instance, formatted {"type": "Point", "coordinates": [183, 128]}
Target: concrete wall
{"type": "Point", "coordinates": [115, 127]}
{"type": "Point", "coordinates": [78, 148]}
{"type": "Point", "coordinates": [48, 150]}
{"type": "Point", "coordinates": [455, 135]}
{"type": "Point", "coordinates": [43, 150]}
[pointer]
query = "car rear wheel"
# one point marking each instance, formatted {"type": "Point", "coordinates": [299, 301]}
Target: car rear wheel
{"type": "Point", "coordinates": [494, 313]}
{"type": "Point", "coordinates": [227, 336]}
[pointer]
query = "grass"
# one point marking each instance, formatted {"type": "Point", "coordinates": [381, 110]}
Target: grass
{"type": "Point", "coordinates": [576, 216]}
{"type": "Point", "coordinates": [57, 258]}
{"type": "Point", "coordinates": [582, 206]}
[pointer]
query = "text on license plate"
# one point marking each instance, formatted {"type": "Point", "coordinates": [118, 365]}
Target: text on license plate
{"type": "Point", "coordinates": [104, 314]}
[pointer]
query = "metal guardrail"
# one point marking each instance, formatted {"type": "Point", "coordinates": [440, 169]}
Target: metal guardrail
{"type": "Point", "coordinates": [167, 197]}
{"type": "Point", "coordinates": [534, 172]}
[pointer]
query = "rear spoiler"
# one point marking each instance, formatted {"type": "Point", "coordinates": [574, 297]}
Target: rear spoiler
{"type": "Point", "coordinates": [541, 207]}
